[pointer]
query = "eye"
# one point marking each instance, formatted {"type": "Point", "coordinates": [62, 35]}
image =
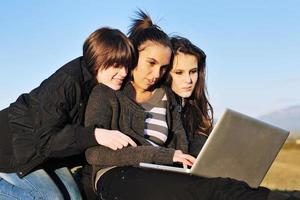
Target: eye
{"type": "Point", "coordinates": [193, 71]}
{"type": "Point", "coordinates": [178, 72]}
{"type": "Point", "coordinates": [151, 63]}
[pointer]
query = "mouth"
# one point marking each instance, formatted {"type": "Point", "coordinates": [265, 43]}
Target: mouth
{"type": "Point", "coordinates": [189, 88]}
{"type": "Point", "coordinates": [150, 82]}
{"type": "Point", "coordinates": [119, 81]}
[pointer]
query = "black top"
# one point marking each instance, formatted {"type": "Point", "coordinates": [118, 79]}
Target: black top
{"type": "Point", "coordinates": [48, 121]}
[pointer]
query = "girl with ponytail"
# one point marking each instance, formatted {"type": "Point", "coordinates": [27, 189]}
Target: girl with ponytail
{"type": "Point", "coordinates": [149, 114]}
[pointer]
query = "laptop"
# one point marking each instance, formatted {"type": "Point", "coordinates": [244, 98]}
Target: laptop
{"type": "Point", "coordinates": [239, 147]}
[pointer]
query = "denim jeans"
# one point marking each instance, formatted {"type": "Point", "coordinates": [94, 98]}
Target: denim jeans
{"type": "Point", "coordinates": [38, 185]}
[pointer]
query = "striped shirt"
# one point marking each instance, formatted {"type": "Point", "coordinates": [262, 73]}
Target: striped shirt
{"type": "Point", "coordinates": [156, 127]}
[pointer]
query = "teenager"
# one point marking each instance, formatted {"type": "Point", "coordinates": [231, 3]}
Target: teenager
{"type": "Point", "coordinates": [42, 130]}
{"type": "Point", "coordinates": [187, 80]}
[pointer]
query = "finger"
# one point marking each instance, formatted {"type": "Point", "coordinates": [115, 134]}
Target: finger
{"type": "Point", "coordinates": [184, 166]}
{"type": "Point", "coordinates": [181, 160]}
{"type": "Point", "coordinates": [188, 157]}
{"type": "Point", "coordinates": [127, 139]}
{"type": "Point", "coordinates": [185, 161]}
{"type": "Point", "coordinates": [112, 146]}
{"type": "Point", "coordinates": [191, 159]}
{"type": "Point", "coordinates": [123, 142]}
{"type": "Point", "coordinates": [118, 144]}
{"type": "Point", "coordinates": [132, 143]}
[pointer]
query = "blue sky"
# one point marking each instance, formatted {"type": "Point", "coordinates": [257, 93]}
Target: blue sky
{"type": "Point", "coordinates": [253, 47]}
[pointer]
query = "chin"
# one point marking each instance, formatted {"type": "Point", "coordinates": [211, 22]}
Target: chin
{"type": "Point", "coordinates": [115, 87]}
{"type": "Point", "coordinates": [185, 95]}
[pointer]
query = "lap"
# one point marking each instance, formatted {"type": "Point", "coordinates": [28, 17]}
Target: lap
{"type": "Point", "coordinates": [137, 183]}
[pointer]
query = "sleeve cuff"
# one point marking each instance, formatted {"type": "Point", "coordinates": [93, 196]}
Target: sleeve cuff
{"type": "Point", "coordinates": [164, 156]}
{"type": "Point", "coordinates": [85, 137]}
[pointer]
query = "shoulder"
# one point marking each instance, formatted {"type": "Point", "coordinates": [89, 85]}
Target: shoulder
{"type": "Point", "coordinates": [171, 97]}
{"type": "Point", "coordinates": [71, 70]}
{"type": "Point", "coordinates": [103, 89]}
{"type": "Point", "coordinates": [65, 76]}
{"type": "Point", "coordinates": [104, 92]}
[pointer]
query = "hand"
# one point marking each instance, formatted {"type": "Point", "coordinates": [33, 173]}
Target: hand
{"type": "Point", "coordinates": [185, 159]}
{"type": "Point", "coordinates": [113, 139]}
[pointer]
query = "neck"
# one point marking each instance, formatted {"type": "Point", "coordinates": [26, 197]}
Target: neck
{"type": "Point", "coordinates": [141, 95]}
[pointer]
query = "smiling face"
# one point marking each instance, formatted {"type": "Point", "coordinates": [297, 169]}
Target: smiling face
{"type": "Point", "coordinates": [184, 74]}
{"type": "Point", "coordinates": [112, 76]}
{"type": "Point", "coordinates": [153, 61]}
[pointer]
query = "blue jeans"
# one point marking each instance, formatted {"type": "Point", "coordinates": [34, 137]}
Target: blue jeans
{"type": "Point", "coordinates": [37, 185]}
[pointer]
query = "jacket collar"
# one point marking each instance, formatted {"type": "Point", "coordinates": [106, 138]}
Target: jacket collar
{"type": "Point", "coordinates": [89, 80]}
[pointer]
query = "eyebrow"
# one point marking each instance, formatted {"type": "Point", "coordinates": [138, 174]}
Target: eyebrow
{"type": "Point", "coordinates": [178, 68]}
{"type": "Point", "coordinates": [152, 59]}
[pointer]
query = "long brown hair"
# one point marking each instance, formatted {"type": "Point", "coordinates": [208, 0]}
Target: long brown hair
{"type": "Point", "coordinates": [197, 110]}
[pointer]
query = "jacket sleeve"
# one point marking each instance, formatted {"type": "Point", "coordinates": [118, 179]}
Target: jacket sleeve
{"type": "Point", "coordinates": [100, 155]}
{"type": "Point", "coordinates": [67, 137]}
{"type": "Point", "coordinates": [99, 110]}
{"type": "Point", "coordinates": [41, 123]}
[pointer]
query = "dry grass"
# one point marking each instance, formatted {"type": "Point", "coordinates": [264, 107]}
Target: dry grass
{"type": "Point", "coordinates": [284, 173]}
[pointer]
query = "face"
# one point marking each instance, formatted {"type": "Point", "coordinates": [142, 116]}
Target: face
{"type": "Point", "coordinates": [184, 74]}
{"type": "Point", "coordinates": [153, 61]}
{"type": "Point", "coordinates": [112, 77]}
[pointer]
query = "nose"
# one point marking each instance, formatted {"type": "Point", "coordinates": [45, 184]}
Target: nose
{"type": "Point", "coordinates": [123, 71]}
{"type": "Point", "coordinates": [156, 72]}
{"type": "Point", "coordinates": [187, 78]}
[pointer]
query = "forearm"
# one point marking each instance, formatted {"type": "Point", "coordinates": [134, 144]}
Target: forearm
{"type": "Point", "coordinates": [70, 140]}
{"type": "Point", "coordinates": [100, 155]}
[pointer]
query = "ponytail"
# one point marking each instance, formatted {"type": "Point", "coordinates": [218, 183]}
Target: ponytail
{"type": "Point", "coordinates": [143, 29]}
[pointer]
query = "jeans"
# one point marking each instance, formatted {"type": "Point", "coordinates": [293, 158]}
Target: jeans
{"type": "Point", "coordinates": [39, 185]}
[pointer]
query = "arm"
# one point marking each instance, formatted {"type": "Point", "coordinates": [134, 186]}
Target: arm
{"type": "Point", "coordinates": [100, 155]}
{"type": "Point", "coordinates": [41, 124]}
{"type": "Point", "coordinates": [67, 136]}
{"type": "Point", "coordinates": [102, 108]}
{"type": "Point", "coordinates": [102, 112]}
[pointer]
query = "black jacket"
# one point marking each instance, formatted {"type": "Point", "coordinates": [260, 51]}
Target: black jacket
{"type": "Point", "coordinates": [48, 121]}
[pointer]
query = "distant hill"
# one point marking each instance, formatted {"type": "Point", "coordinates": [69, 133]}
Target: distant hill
{"type": "Point", "coordinates": [287, 118]}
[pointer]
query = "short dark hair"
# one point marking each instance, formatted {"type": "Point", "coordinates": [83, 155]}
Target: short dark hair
{"type": "Point", "coordinates": [107, 47]}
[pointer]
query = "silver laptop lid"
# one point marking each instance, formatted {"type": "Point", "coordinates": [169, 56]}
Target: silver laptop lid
{"type": "Point", "coordinates": [240, 147]}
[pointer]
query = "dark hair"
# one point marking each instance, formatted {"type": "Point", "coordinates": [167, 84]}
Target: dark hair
{"type": "Point", "coordinates": [198, 110]}
{"type": "Point", "coordinates": [142, 29]}
{"type": "Point", "coordinates": [108, 47]}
